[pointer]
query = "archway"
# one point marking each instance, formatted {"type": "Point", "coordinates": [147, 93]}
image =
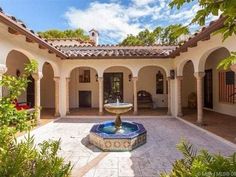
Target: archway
{"type": "Point", "coordinates": [189, 90]}
{"type": "Point", "coordinates": [15, 63]}
{"type": "Point", "coordinates": [47, 88]}
{"type": "Point", "coordinates": [83, 91]}
{"type": "Point", "coordinates": [152, 90]}
{"type": "Point", "coordinates": [219, 85]}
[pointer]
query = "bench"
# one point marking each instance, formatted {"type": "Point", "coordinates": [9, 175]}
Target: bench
{"type": "Point", "coordinates": [144, 99]}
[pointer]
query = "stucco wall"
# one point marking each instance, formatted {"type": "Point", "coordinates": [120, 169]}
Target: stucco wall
{"type": "Point", "coordinates": [75, 86]}
{"type": "Point", "coordinates": [47, 87]}
{"type": "Point", "coordinates": [147, 82]}
{"type": "Point", "coordinates": [188, 83]}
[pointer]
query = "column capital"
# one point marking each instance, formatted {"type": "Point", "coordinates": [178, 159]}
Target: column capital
{"type": "Point", "coordinates": [3, 69]}
{"type": "Point", "coordinates": [199, 75]}
{"type": "Point", "coordinates": [179, 77]}
{"type": "Point", "coordinates": [37, 76]}
{"type": "Point", "coordinates": [56, 79]}
{"type": "Point", "coordinates": [134, 79]}
{"type": "Point", "coordinates": [100, 79]}
{"type": "Point", "coordinates": [233, 68]}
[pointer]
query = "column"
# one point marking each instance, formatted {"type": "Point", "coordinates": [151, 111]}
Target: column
{"type": "Point", "coordinates": [57, 81]}
{"type": "Point", "coordinates": [100, 83]}
{"type": "Point", "coordinates": [67, 95]}
{"type": "Point", "coordinates": [199, 76]}
{"type": "Point", "coordinates": [169, 96]}
{"type": "Point", "coordinates": [37, 77]}
{"type": "Point", "coordinates": [179, 95]}
{"type": "Point", "coordinates": [3, 69]}
{"type": "Point", "coordinates": [135, 79]}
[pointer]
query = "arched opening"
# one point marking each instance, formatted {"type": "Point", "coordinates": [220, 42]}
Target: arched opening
{"type": "Point", "coordinates": [15, 64]}
{"type": "Point", "coordinates": [117, 84]}
{"type": "Point", "coordinates": [47, 88]}
{"type": "Point", "coordinates": [83, 91]}
{"type": "Point", "coordinates": [219, 85]}
{"type": "Point", "coordinates": [152, 90]}
{"type": "Point", "coordinates": [189, 90]}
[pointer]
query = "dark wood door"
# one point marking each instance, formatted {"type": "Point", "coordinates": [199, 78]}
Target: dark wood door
{"type": "Point", "coordinates": [84, 98]}
{"type": "Point", "coordinates": [113, 87]}
{"type": "Point", "coordinates": [30, 92]}
{"type": "Point", "coordinates": [208, 89]}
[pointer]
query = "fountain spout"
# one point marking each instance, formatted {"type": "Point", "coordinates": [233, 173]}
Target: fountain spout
{"type": "Point", "coordinates": [117, 101]}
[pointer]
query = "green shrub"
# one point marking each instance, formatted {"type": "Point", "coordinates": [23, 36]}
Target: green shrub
{"type": "Point", "coordinates": [24, 159]}
{"type": "Point", "coordinates": [202, 164]}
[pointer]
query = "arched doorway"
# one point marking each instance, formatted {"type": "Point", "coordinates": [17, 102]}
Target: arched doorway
{"type": "Point", "coordinates": [152, 90]}
{"type": "Point", "coordinates": [83, 91]}
{"type": "Point", "coordinates": [15, 64]}
{"type": "Point", "coordinates": [47, 88]}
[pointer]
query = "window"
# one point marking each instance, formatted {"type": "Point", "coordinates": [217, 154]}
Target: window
{"type": "Point", "coordinates": [159, 83]}
{"type": "Point", "coordinates": [85, 76]}
{"type": "Point", "coordinates": [227, 87]}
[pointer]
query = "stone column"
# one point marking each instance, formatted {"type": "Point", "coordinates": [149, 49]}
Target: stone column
{"type": "Point", "coordinates": [179, 95]}
{"type": "Point", "coordinates": [100, 83]}
{"type": "Point", "coordinates": [169, 96]}
{"type": "Point", "coordinates": [68, 95]}
{"type": "Point", "coordinates": [57, 82]}
{"type": "Point", "coordinates": [37, 77]}
{"type": "Point", "coordinates": [3, 69]}
{"type": "Point", "coordinates": [199, 76]}
{"type": "Point", "coordinates": [135, 79]}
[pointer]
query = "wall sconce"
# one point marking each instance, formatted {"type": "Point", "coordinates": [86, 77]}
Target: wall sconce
{"type": "Point", "coordinates": [172, 74]}
{"type": "Point", "coordinates": [130, 77]}
{"type": "Point", "coordinates": [96, 76]}
{"type": "Point", "coordinates": [18, 73]}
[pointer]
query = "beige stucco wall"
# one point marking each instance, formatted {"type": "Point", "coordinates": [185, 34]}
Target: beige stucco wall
{"type": "Point", "coordinates": [147, 82]}
{"type": "Point", "coordinates": [188, 83]}
{"type": "Point", "coordinates": [47, 87]}
{"type": "Point", "coordinates": [75, 86]}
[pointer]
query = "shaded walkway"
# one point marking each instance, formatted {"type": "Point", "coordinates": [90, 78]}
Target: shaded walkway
{"type": "Point", "coordinates": [219, 124]}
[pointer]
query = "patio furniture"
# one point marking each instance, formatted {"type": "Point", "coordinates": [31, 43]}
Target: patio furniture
{"type": "Point", "coordinates": [144, 99]}
{"type": "Point", "coordinates": [20, 106]}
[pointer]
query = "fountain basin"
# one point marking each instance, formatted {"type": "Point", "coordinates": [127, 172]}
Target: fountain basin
{"type": "Point", "coordinates": [108, 138]}
{"type": "Point", "coordinates": [118, 108]}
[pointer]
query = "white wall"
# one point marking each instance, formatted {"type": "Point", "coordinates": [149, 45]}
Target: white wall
{"type": "Point", "coordinates": [147, 82]}
{"type": "Point", "coordinates": [188, 83]}
{"type": "Point", "coordinates": [47, 87]}
{"type": "Point", "coordinates": [75, 87]}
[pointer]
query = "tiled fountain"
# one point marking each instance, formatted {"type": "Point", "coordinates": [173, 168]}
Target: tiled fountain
{"type": "Point", "coordinates": [117, 135]}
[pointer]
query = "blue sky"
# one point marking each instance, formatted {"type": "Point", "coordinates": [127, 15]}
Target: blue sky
{"type": "Point", "coordinates": [114, 19]}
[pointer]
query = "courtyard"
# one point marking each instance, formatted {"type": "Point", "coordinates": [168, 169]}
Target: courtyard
{"type": "Point", "coordinates": [149, 160]}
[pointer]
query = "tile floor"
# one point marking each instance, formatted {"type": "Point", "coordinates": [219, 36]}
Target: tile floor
{"type": "Point", "coordinates": [146, 161]}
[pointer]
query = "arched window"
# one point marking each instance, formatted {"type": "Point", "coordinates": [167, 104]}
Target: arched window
{"type": "Point", "coordinates": [159, 83]}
